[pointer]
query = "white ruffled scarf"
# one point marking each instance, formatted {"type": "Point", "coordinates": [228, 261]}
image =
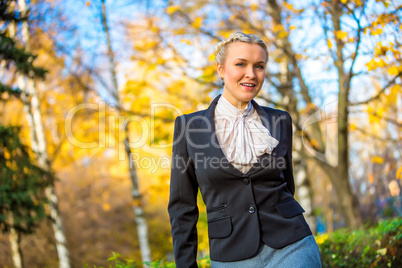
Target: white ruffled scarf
{"type": "Point", "coordinates": [242, 136]}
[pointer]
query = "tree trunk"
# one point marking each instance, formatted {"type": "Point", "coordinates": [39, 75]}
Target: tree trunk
{"type": "Point", "coordinates": [38, 142]}
{"type": "Point", "coordinates": [346, 200]}
{"type": "Point", "coordinates": [140, 220]}
{"type": "Point", "coordinates": [304, 192]}
{"type": "Point", "coordinates": [339, 176]}
{"type": "Point", "coordinates": [15, 239]}
{"type": "Point", "coordinates": [303, 188]}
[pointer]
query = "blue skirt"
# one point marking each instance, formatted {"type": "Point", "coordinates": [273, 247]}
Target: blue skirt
{"type": "Point", "coordinates": [303, 253]}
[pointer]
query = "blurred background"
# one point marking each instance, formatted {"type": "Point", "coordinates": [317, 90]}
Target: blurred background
{"type": "Point", "coordinates": [90, 90]}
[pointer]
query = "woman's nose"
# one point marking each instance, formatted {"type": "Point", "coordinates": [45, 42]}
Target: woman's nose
{"type": "Point", "coordinates": [250, 73]}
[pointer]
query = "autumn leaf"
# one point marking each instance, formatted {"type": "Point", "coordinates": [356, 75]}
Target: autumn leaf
{"type": "Point", "coordinates": [172, 9]}
{"type": "Point", "coordinates": [377, 159]}
{"type": "Point", "coordinates": [314, 143]}
{"type": "Point", "coordinates": [380, 112]}
{"type": "Point", "coordinates": [399, 173]}
{"type": "Point", "coordinates": [254, 7]}
{"type": "Point", "coordinates": [377, 31]}
{"type": "Point", "coordinates": [186, 41]}
{"type": "Point", "coordinates": [341, 34]}
{"type": "Point", "coordinates": [371, 177]}
{"type": "Point", "coordinates": [329, 43]}
{"type": "Point", "coordinates": [283, 34]}
{"type": "Point", "coordinates": [106, 206]}
{"type": "Point", "coordinates": [393, 70]}
{"type": "Point", "coordinates": [197, 22]}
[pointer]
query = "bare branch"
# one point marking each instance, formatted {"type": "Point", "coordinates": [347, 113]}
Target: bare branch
{"type": "Point", "coordinates": [390, 83]}
{"type": "Point", "coordinates": [359, 31]}
{"type": "Point", "coordinates": [372, 135]}
{"type": "Point", "coordinates": [388, 119]}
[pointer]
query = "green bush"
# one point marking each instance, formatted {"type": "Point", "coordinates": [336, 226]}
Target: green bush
{"type": "Point", "coordinates": [379, 246]}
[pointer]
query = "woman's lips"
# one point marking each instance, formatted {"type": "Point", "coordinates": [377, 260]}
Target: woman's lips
{"type": "Point", "coordinates": [248, 86]}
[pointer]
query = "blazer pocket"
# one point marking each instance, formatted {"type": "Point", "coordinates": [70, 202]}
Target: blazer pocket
{"type": "Point", "coordinates": [220, 227]}
{"type": "Point", "coordinates": [289, 208]}
{"type": "Point", "coordinates": [217, 208]}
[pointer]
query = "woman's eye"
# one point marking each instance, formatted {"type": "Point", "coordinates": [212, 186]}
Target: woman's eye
{"type": "Point", "coordinates": [260, 66]}
{"type": "Point", "coordinates": [239, 64]}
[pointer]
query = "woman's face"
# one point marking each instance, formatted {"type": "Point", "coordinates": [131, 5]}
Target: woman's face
{"type": "Point", "coordinates": [243, 72]}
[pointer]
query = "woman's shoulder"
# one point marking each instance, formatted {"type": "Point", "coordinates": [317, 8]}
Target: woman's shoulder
{"type": "Point", "coordinates": [276, 112]}
{"type": "Point", "coordinates": [191, 116]}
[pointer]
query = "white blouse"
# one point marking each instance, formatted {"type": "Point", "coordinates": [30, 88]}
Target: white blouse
{"type": "Point", "coordinates": [241, 135]}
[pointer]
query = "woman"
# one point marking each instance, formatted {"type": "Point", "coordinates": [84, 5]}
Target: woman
{"type": "Point", "coordinates": [239, 155]}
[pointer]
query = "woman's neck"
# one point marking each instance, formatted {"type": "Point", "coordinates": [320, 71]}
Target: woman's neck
{"type": "Point", "coordinates": [241, 105]}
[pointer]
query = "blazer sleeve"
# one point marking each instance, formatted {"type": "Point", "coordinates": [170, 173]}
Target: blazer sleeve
{"type": "Point", "coordinates": [288, 171]}
{"type": "Point", "coordinates": [182, 208]}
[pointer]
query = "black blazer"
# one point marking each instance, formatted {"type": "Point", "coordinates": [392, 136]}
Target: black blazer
{"type": "Point", "coordinates": [242, 209]}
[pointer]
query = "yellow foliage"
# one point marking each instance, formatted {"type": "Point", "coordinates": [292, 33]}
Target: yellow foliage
{"type": "Point", "coordinates": [375, 63]}
{"type": "Point", "coordinates": [377, 31]}
{"type": "Point", "coordinates": [393, 70]}
{"type": "Point", "coordinates": [288, 6]}
{"type": "Point", "coordinates": [314, 143]}
{"type": "Point", "coordinates": [204, 263]}
{"type": "Point", "coordinates": [277, 28]}
{"type": "Point", "coordinates": [292, 27]}
{"type": "Point", "coordinates": [224, 34]}
{"type": "Point", "coordinates": [197, 22]}
{"type": "Point", "coordinates": [291, 7]}
{"type": "Point", "coordinates": [380, 112]}
{"type": "Point", "coordinates": [210, 70]}
{"type": "Point", "coordinates": [358, 2]}
{"type": "Point", "coordinates": [344, 1]}
{"type": "Point", "coordinates": [377, 159]}
{"type": "Point", "coordinates": [106, 206]}
{"type": "Point", "coordinates": [6, 154]}
{"type": "Point", "coordinates": [329, 43]}
{"type": "Point", "coordinates": [179, 31]}
{"type": "Point", "coordinates": [172, 9]}
{"type": "Point", "coordinates": [145, 44]}
{"type": "Point", "coordinates": [319, 239]}
{"type": "Point", "coordinates": [371, 177]}
{"type": "Point", "coordinates": [186, 41]}
{"type": "Point", "coordinates": [399, 173]}
{"type": "Point", "coordinates": [254, 7]}
{"type": "Point", "coordinates": [352, 127]}
{"type": "Point", "coordinates": [341, 34]}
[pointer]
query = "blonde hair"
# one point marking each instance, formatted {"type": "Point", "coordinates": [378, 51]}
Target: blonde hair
{"type": "Point", "coordinates": [221, 48]}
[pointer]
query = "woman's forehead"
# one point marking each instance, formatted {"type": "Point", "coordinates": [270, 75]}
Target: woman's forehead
{"type": "Point", "coordinates": [245, 51]}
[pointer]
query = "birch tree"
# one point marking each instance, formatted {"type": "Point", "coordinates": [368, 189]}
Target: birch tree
{"type": "Point", "coordinates": [22, 182]}
{"type": "Point", "coordinates": [142, 228]}
{"type": "Point", "coordinates": [38, 141]}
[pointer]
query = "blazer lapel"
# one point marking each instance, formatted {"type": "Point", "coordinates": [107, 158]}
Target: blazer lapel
{"type": "Point", "coordinates": [214, 149]}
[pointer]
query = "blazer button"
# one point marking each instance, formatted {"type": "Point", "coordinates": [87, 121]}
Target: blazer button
{"type": "Point", "coordinates": [246, 181]}
{"type": "Point", "coordinates": [251, 209]}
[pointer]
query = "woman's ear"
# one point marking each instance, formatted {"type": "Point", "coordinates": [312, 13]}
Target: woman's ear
{"type": "Point", "coordinates": [219, 68]}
